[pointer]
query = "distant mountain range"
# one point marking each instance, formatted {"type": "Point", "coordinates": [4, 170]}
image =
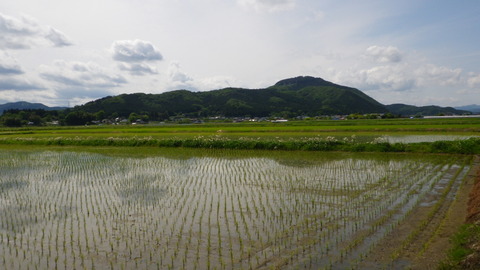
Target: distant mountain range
{"type": "Point", "coordinates": [410, 110]}
{"type": "Point", "coordinates": [302, 95]}
{"type": "Point", "coordinates": [472, 108]}
{"type": "Point", "coordinates": [23, 105]}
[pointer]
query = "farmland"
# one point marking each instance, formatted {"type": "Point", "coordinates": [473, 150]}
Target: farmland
{"type": "Point", "coordinates": [388, 135]}
{"type": "Point", "coordinates": [214, 209]}
{"type": "Point", "coordinates": [67, 205]}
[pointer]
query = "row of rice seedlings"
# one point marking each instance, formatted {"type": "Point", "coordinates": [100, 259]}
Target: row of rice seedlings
{"type": "Point", "coordinates": [448, 197]}
{"type": "Point", "coordinates": [89, 211]}
{"type": "Point", "coordinates": [375, 229]}
{"type": "Point", "coordinates": [283, 207]}
{"type": "Point", "coordinates": [390, 216]}
{"type": "Point", "coordinates": [358, 223]}
{"type": "Point", "coordinates": [446, 189]}
{"type": "Point", "coordinates": [414, 196]}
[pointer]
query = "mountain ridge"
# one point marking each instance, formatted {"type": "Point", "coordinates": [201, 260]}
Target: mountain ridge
{"type": "Point", "coordinates": [472, 108]}
{"type": "Point", "coordinates": [303, 95]}
{"type": "Point", "coordinates": [411, 110]}
{"type": "Point", "coordinates": [24, 105]}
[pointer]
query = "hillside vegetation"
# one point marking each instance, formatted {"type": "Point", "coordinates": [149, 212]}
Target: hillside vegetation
{"type": "Point", "coordinates": [289, 98]}
{"type": "Point", "coordinates": [22, 105]}
{"type": "Point", "coordinates": [410, 110]}
{"type": "Point", "coordinates": [296, 96]}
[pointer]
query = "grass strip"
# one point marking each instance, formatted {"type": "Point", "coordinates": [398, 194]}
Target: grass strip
{"type": "Point", "coordinates": [462, 241]}
{"type": "Point", "coordinates": [467, 146]}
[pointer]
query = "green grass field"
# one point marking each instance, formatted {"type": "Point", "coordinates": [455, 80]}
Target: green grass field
{"type": "Point", "coordinates": [342, 135]}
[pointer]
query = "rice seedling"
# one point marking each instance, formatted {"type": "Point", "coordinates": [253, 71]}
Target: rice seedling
{"type": "Point", "coordinates": [68, 209]}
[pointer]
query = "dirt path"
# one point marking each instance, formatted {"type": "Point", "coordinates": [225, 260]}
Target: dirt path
{"type": "Point", "coordinates": [473, 216]}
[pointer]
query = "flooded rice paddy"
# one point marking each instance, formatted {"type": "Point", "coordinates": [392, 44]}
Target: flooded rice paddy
{"type": "Point", "coordinates": [214, 210]}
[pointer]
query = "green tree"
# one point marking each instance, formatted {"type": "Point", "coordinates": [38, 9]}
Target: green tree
{"type": "Point", "coordinates": [133, 117]}
{"type": "Point", "coordinates": [100, 115]}
{"type": "Point", "coordinates": [388, 115]}
{"type": "Point", "coordinates": [35, 119]}
{"type": "Point", "coordinates": [236, 107]}
{"type": "Point", "coordinates": [12, 121]}
{"type": "Point", "coordinates": [78, 118]}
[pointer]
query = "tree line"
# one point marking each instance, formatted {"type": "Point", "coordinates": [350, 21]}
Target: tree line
{"type": "Point", "coordinates": [41, 117]}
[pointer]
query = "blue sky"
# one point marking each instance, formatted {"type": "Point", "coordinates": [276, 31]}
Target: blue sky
{"type": "Point", "coordinates": [62, 52]}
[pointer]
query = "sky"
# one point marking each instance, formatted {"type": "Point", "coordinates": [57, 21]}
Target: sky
{"type": "Point", "coordinates": [66, 53]}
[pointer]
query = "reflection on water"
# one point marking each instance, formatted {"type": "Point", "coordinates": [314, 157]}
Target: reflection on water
{"type": "Point", "coordinates": [396, 138]}
{"type": "Point", "coordinates": [423, 138]}
{"type": "Point", "coordinates": [211, 209]}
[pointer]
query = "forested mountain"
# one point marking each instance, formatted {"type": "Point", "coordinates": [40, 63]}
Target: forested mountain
{"type": "Point", "coordinates": [23, 105]}
{"type": "Point", "coordinates": [295, 96]}
{"type": "Point", "coordinates": [410, 110]}
{"type": "Point", "coordinates": [287, 98]}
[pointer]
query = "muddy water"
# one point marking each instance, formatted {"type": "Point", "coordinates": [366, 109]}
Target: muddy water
{"type": "Point", "coordinates": [79, 210]}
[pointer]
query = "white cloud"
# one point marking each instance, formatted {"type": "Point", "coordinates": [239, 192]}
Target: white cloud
{"type": "Point", "coordinates": [87, 76]}
{"type": "Point", "coordinates": [57, 38]}
{"type": "Point", "coordinates": [268, 5]}
{"type": "Point", "coordinates": [429, 74]}
{"type": "Point", "coordinates": [218, 82]}
{"type": "Point", "coordinates": [376, 78]}
{"type": "Point", "coordinates": [138, 69]}
{"type": "Point", "coordinates": [474, 81]}
{"type": "Point", "coordinates": [134, 51]}
{"type": "Point", "coordinates": [384, 54]}
{"type": "Point", "coordinates": [42, 96]}
{"type": "Point", "coordinates": [25, 33]}
{"type": "Point", "coordinates": [392, 70]}
{"type": "Point", "coordinates": [387, 78]}
{"type": "Point", "coordinates": [9, 65]}
{"type": "Point", "coordinates": [17, 84]}
{"type": "Point", "coordinates": [12, 76]}
{"type": "Point", "coordinates": [394, 76]}
{"type": "Point", "coordinates": [178, 79]}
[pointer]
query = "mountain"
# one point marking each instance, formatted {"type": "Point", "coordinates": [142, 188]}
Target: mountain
{"type": "Point", "coordinates": [296, 96]}
{"type": "Point", "coordinates": [410, 110]}
{"type": "Point", "coordinates": [472, 108]}
{"type": "Point", "coordinates": [329, 97]}
{"type": "Point", "coordinates": [23, 105]}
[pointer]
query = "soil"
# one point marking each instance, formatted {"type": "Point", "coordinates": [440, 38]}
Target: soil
{"type": "Point", "coordinates": [473, 217]}
{"type": "Point", "coordinates": [473, 214]}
